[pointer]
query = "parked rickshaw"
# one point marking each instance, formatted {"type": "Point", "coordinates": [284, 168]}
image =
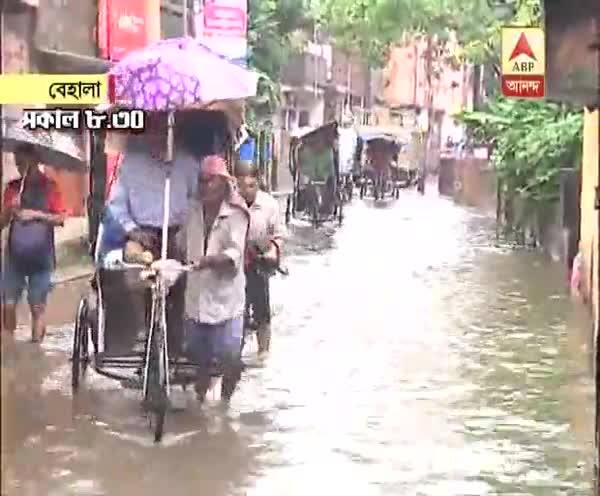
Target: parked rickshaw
{"type": "Point", "coordinates": [314, 166]}
{"type": "Point", "coordinates": [130, 340]}
{"type": "Point", "coordinates": [347, 146]}
{"type": "Point", "coordinates": [379, 174]}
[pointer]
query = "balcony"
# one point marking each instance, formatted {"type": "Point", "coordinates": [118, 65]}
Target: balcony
{"type": "Point", "coordinates": [304, 70]}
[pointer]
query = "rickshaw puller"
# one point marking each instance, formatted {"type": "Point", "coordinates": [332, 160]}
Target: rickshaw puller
{"type": "Point", "coordinates": [265, 242]}
{"type": "Point", "coordinates": [215, 237]}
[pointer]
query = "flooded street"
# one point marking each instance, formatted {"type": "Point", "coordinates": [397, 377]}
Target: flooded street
{"type": "Point", "coordinates": [410, 357]}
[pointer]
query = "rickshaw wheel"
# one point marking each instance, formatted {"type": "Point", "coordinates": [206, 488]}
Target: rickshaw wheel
{"type": "Point", "coordinates": [80, 356]}
{"type": "Point", "coordinates": [156, 392]}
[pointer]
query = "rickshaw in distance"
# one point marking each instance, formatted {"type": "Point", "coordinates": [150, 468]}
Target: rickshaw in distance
{"type": "Point", "coordinates": [315, 169]}
{"type": "Point", "coordinates": [379, 173]}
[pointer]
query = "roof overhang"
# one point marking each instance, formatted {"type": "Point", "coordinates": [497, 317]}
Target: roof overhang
{"type": "Point", "coordinates": [58, 62]}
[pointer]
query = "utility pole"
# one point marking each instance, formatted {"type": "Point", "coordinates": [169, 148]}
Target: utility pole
{"type": "Point", "coordinates": [185, 16]}
{"type": "Point", "coordinates": [430, 114]}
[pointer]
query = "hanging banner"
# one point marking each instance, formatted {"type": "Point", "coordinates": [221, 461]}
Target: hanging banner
{"type": "Point", "coordinates": [222, 25]}
{"type": "Point", "coordinates": [121, 27]}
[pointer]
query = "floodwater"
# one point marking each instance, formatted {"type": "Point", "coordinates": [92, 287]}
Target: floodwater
{"type": "Point", "coordinates": [411, 357]}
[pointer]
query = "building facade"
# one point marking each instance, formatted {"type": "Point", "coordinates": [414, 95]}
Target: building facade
{"type": "Point", "coordinates": [319, 83]}
{"type": "Point", "coordinates": [407, 90]}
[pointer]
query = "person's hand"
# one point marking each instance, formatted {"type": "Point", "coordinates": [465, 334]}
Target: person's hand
{"type": "Point", "coordinates": [144, 238]}
{"type": "Point", "coordinates": [27, 215]}
{"type": "Point", "coordinates": [271, 256]}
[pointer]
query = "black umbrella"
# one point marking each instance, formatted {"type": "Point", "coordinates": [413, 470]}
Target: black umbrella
{"type": "Point", "coordinates": [55, 149]}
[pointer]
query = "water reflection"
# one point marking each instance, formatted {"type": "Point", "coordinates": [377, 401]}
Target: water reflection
{"type": "Point", "coordinates": [411, 356]}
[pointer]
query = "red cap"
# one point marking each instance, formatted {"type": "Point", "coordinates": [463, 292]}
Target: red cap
{"type": "Point", "coordinates": [214, 165]}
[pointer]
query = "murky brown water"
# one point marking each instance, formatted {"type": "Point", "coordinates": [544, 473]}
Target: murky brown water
{"type": "Point", "coordinates": [411, 357]}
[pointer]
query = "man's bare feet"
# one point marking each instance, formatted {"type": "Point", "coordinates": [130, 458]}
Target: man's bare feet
{"type": "Point", "coordinates": [38, 336]}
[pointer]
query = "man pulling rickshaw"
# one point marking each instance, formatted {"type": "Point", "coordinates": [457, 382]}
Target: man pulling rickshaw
{"type": "Point", "coordinates": [200, 239]}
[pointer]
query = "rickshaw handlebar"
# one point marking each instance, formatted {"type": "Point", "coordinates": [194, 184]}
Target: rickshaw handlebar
{"type": "Point", "coordinates": [149, 272]}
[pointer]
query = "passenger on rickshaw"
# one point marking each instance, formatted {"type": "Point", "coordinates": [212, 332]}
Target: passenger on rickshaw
{"type": "Point", "coordinates": [215, 241]}
{"type": "Point", "coordinates": [379, 163]}
{"type": "Point", "coordinates": [136, 204]}
{"type": "Point", "coordinates": [265, 242]}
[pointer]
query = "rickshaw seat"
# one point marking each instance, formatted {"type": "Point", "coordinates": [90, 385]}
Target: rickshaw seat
{"type": "Point", "coordinates": [126, 303]}
{"type": "Point", "coordinates": [124, 297]}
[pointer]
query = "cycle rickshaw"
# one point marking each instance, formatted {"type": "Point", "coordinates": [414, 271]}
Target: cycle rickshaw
{"type": "Point", "coordinates": [116, 332]}
{"type": "Point", "coordinates": [314, 166]}
{"type": "Point", "coordinates": [378, 175]}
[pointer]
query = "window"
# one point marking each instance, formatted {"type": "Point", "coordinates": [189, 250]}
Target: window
{"type": "Point", "coordinates": [171, 17]}
{"type": "Point", "coordinates": [303, 119]}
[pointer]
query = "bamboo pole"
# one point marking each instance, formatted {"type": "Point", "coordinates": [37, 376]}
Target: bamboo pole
{"type": "Point", "coordinates": [1, 161]}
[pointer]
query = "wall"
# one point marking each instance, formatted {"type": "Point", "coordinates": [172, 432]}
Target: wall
{"type": "Point", "coordinates": [589, 215]}
{"type": "Point", "coordinates": [400, 77]}
{"type": "Point", "coordinates": [477, 183]}
{"type": "Point", "coordinates": [406, 80]}
{"type": "Point", "coordinates": [16, 59]}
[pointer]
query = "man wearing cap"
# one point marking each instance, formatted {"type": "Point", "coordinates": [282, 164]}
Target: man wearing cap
{"type": "Point", "coordinates": [215, 240]}
{"type": "Point", "coordinates": [265, 242]}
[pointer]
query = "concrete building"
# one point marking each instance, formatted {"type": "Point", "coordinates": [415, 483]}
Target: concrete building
{"type": "Point", "coordinates": [573, 75]}
{"type": "Point", "coordinates": [42, 37]}
{"type": "Point", "coordinates": [320, 82]}
{"type": "Point", "coordinates": [304, 80]}
{"type": "Point", "coordinates": [406, 90]}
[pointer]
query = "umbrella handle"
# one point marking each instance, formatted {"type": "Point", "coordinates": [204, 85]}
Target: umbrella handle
{"type": "Point", "coordinates": [167, 191]}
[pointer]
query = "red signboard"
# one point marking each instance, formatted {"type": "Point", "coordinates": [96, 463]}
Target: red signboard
{"type": "Point", "coordinates": [225, 20]}
{"type": "Point", "coordinates": [528, 86]}
{"type": "Point", "coordinates": [121, 27]}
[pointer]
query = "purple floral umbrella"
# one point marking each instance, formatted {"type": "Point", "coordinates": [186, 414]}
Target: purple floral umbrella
{"type": "Point", "coordinates": [177, 74]}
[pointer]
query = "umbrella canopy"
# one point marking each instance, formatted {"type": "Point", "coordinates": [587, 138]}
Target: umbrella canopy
{"type": "Point", "coordinates": [178, 73]}
{"type": "Point", "coordinates": [56, 149]}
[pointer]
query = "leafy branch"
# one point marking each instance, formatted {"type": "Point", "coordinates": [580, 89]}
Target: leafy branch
{"type": "Point", "coordinates": [272, 38]}
{"type": "Point", "coordinates": [531, 142]}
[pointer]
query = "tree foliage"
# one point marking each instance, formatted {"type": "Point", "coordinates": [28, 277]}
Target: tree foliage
{"type": "Point", "coordinates": [272, 37]}
{"type": "Point", "coordinates": [371, 26]}
{"type": "Point", "coordinates": [532, 141]}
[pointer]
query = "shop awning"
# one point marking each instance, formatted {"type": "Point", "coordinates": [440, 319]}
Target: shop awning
{"type": "Point", "coordinates": [57, 62]}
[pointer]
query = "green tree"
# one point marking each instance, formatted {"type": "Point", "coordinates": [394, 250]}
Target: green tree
{"type": "Point", "coordinates": [531, 141]}
{"type": "Point", "coordinates": [272, 37]}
